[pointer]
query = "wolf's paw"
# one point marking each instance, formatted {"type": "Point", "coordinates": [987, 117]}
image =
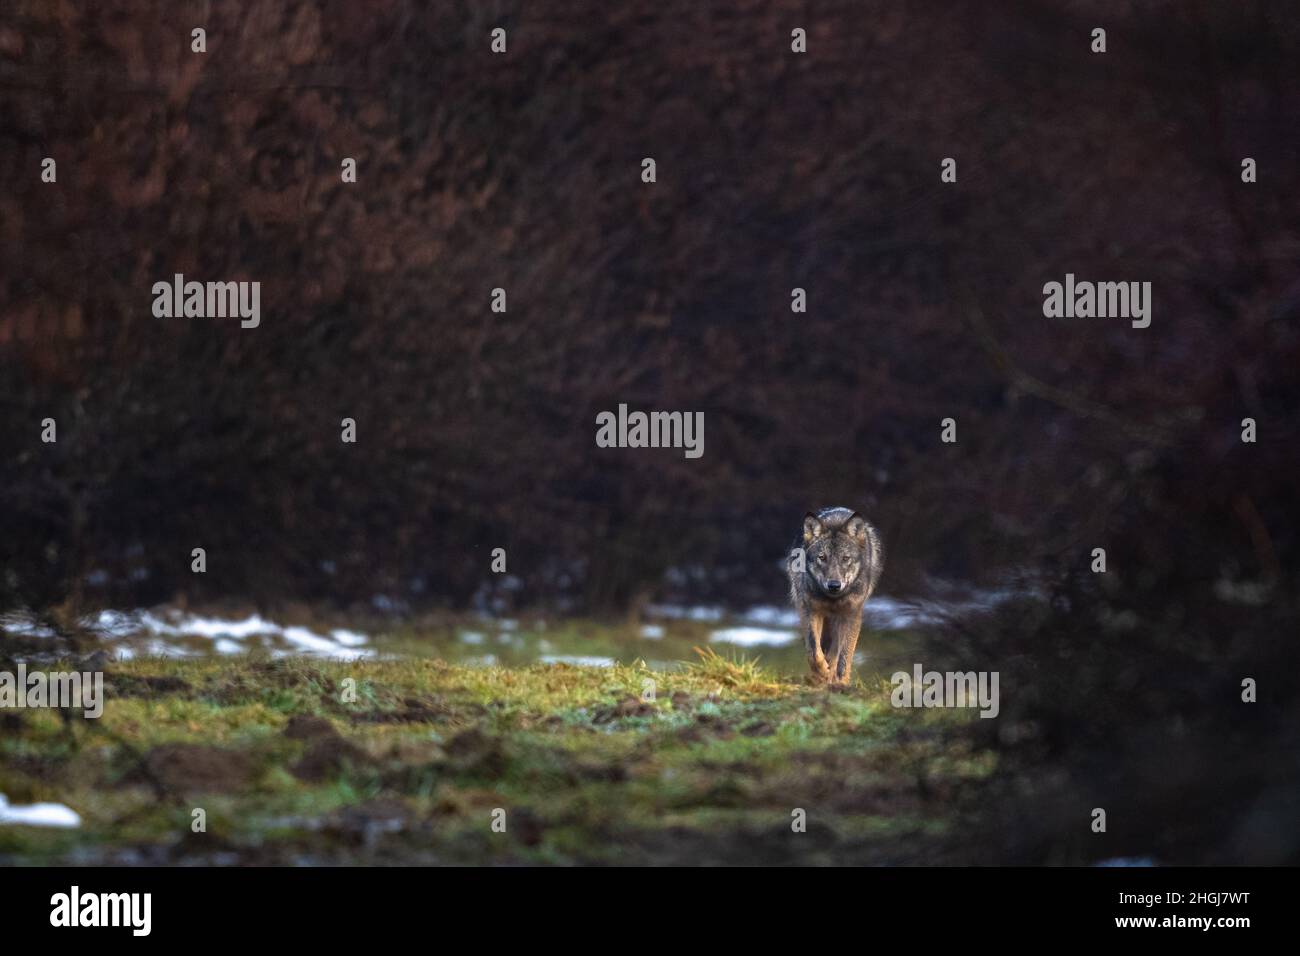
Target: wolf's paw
{"type": "Point", "coordinates": [820, 675]}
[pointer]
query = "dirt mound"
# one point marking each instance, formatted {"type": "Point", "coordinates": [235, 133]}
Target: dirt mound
{"type": "Point", "coordinates": [307, 727]}
{"type": "Point", "coordinates": [329, 757]}
{"type": "Point", "coordinates": [191, 768]}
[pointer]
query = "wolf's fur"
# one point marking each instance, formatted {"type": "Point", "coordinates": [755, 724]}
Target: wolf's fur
{"type": "Point", "coordinates": [838, 546]}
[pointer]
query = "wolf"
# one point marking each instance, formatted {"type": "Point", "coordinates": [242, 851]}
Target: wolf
{"type": "Point", "coordinates": [833, 571]}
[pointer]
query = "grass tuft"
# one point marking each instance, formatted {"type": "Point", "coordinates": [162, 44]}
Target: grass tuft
{"type": "Point", "coordinates": [736, 671]}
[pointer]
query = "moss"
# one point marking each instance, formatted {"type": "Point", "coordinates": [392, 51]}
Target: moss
{"type": "Point", "coordinates": [408, 760]}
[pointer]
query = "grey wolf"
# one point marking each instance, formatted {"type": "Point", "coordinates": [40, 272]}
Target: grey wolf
{"type": "Point", "coordinates": [833, 570]}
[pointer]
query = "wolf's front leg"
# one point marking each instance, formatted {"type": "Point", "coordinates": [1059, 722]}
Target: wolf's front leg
{"type": "Point", "coordinates": [844, 642]}
{"type": "Point", "coordinates": [813, 640]}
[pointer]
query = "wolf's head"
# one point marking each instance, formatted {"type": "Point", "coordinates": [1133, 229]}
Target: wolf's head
{"type": "Point", "coordinates": [835, 545]}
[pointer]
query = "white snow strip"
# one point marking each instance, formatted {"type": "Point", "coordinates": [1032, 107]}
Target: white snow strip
{"type": "Point", "coordinates": [348, 638]}
{"type": "Point", "coordinates": [212, 627]}
{"type": "Point", "coordinates": [21, 624]}
{"type": "Point", "coordinates": [753, 636]}
{"type": "Point", "coordinates": [771, 617]}
{"type": "Point", "coordinates": [226, 635]}
{"type": "Point", "coordinates": [312, 643]}
{"type": "Point", "coordinates": [38, 814]}
{"type": "Point", "coordinates": [114, 624]}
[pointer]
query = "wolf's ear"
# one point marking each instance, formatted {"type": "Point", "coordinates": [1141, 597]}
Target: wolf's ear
{"type": "Point", "coordinates": [812, 528]}
{"type": "Point", "coordinates": [856, 526]}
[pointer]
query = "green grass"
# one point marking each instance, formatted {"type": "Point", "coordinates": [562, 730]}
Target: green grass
{"type": "Point", "coordinates": [406, 761]}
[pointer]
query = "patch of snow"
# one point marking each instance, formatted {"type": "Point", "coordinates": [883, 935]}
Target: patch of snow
{"type": "Point", "coordinates": [24, 625]}
{"type": "Point", "coordinates": [154, 624]}
{"type": "Point", "coordinates": [754, 636]}
{"type": "Point", "coordinates": [348, 638]}
{"type": "Point", "coordinates": [38, 814]}
{"type": "Point", "coordinates": [769, 616]}
{"type": "Point", "coordinates": [226, 635]}
{"type": "Point", "coordinates": [113, 624]}
{"type": "Point", "coordinates": [891, 614]}
{"type": "Point", "coordinates": [305, 639]}
{"type": "Point", "coordinates": [309, 642]}
{"type": "Point", "coordinates": [212, 627]}
{"type": "Point", "coordinates": [652, 632]}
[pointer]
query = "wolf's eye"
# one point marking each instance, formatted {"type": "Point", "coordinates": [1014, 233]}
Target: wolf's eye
{"type": "Point", "coordinates": [821, 559]}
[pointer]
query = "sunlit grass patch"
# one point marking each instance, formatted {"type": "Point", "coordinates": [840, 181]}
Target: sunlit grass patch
{"type": "Point", "coordinates": [406, 759]}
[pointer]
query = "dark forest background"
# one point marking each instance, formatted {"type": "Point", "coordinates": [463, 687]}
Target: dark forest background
{"type": "Point", "coordinates": [775, 171]}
